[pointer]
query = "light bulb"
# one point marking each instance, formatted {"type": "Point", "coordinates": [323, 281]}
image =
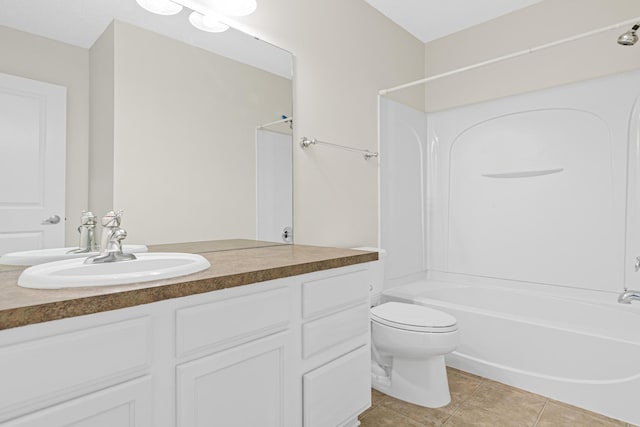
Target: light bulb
{"type": "Point", "coordinates": [207, 23]}
{"type": "Point", "coordinates": [161, 7]}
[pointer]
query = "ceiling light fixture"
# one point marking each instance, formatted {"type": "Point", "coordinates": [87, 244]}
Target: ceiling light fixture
{"type": "Point", "coordinates": [234, 7]}
{"type": "Point", "coordinates": [207, 15]}
{"type": "Point", "coordinates": [160, 7]}
{"type": "Point", "coordinates": [207, 23]}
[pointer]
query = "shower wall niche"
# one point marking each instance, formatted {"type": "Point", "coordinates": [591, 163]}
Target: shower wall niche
{"type": "Point", "coordinates": [531, 188]}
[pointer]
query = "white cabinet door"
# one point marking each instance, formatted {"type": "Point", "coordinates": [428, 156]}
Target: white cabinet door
{"type": "Point", "coordinates": [336, 393]}
{"type": "Point", "coordinates": [248, 385]}
{"type": "Point", "coordinates": [124, 405]}
{"type": "Point", "coordinates": [32, 164]}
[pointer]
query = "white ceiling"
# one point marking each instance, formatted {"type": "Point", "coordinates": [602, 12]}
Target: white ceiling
{"type": "Point", "coordinates": [431, 19]}
{"type": "Point", "coordinates": [81, 22]}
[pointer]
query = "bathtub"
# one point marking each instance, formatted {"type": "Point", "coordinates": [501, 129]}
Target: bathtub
{"type": "Point", "coordinates": [583, 352]}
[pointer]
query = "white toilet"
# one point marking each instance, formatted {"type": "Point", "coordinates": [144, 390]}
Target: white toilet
{"type": "Point", "coordinates": [408, 344]}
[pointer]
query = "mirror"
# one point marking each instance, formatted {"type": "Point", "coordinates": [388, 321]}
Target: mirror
{"type": "Point", "coordinates": [163, 120]}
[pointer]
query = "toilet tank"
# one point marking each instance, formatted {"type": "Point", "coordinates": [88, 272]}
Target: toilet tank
{"type": "Point", "coordinates": [375, 274]}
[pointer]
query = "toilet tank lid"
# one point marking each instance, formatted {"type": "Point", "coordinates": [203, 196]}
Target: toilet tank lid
{"type": "Point", "coordinates": [413, 315]}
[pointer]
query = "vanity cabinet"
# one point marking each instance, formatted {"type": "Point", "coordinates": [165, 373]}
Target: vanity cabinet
{"type": "Point", "coordinates": [284, 353]}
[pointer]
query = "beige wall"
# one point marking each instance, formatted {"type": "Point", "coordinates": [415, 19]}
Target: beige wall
{"type": "Point", "coordinates": [38, 58]}
{"type": "Point", "coordinates": [345, 51]}
{"type": "Point", "coordinates": [541, 23]}
{"type": "Point", "coordinates": [184, 138]}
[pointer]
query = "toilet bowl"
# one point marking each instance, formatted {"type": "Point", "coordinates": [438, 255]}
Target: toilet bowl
{"type": "Point", "coordinates": [408, 346]}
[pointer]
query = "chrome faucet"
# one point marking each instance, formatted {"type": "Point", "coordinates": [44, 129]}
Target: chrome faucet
{"type": "Point", "coordinates": [628, 295]}
{"type": "Point", "coordinates": [111, 241]}
{"type": "Point", "coordinates": [87, 230]}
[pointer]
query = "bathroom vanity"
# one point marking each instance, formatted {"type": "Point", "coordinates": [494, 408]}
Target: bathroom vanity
{"type": "Point", "coordinates": [267, 336]}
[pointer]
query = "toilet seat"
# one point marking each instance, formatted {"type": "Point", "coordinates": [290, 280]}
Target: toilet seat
{"type": "Point", "coordinates": [412, 317]}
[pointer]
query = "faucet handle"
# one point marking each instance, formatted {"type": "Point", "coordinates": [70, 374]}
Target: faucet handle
{"type": "Point", "coordinates": [112, 219]}
{"type": "Point", "coordinates": [87, 218]}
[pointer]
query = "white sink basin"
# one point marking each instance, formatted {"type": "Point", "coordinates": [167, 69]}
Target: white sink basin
{"type": "Point", "coordinates": [73, 273]}
{"type": "Point", "coordinates": [41, 256]}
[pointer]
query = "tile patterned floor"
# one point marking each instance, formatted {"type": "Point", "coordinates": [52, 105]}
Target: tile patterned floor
{"type": "Point", "coordinates": [479, 402]}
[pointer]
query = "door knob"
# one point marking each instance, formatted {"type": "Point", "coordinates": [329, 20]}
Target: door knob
{"type": "Point", "coordinates": [51, 220]}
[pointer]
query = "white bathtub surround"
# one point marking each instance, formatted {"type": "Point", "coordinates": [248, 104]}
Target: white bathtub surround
{"type": "Point", "coordinates": [521, 218]}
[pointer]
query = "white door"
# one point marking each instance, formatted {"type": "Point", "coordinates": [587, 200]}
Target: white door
{"type": "Point", "coordinates": [274, 205]}
{"type": "Point", "coordinates": [32, 164]}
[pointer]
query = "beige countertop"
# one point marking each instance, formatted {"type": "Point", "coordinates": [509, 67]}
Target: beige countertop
{"type": "Point", "coordinates": [233, 263]}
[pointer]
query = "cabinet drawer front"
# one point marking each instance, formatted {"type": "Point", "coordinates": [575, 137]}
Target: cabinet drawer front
{"type": "Point", "coordinates": [233, 320]}
{"type": "Point", "coordinates": [124, 405]}
{"type": "Point", "coordinates": [332, 293]}
{"type": "Point", "coordinates": [338, 391]}
{"type": "Point", "coordinates": [49, 370]}
{"type": "Point", "coordinates": [324, 333]}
